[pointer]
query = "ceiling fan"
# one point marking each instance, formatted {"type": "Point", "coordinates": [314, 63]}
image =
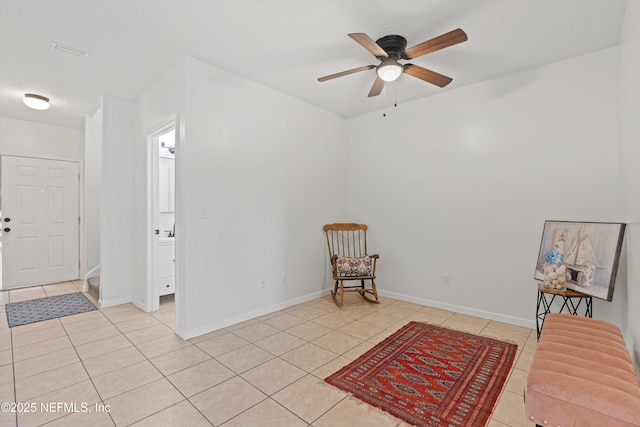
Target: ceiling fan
{"type": "Point", "coordinates": [390, 49]}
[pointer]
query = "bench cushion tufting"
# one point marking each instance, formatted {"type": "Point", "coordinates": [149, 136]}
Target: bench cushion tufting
{"type": "Point", "coordinates": [582, 375]}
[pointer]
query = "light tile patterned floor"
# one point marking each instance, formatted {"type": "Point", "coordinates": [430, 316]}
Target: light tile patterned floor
{"type": "Point", "coordinates": [268, 371]}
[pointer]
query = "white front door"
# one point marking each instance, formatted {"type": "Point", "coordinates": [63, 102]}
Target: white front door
{"type": "Point", "coordinates": [39, 221]}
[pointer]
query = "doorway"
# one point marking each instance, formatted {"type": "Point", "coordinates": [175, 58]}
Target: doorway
{"type": "Point", "coordinates": [163, 215]}
{"type": "Point", "coordinates": [40, 221]}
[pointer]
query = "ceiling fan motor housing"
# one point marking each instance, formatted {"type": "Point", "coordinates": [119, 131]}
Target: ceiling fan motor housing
{"type": "Point", "coordinates": [394, 45]}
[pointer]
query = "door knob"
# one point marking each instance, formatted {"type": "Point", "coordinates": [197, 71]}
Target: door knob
{"type": "Point", "coordinates": [6, 230]}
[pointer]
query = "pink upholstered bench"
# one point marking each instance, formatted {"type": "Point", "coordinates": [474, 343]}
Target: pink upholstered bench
{"type": "Point", "coordinates": [582, 375]}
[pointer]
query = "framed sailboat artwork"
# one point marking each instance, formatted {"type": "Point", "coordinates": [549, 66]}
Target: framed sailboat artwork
{"type": "Point", "coordinates": [587, 253]}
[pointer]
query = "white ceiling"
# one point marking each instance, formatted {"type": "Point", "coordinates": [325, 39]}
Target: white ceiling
{"type": "Point", "coordinates": [283, 44]}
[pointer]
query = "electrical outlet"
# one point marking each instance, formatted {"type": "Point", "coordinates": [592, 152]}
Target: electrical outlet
{"type": "Point", "coordinates": [446, 279]}
{"type": "Point", "coordinates": [263, 282]}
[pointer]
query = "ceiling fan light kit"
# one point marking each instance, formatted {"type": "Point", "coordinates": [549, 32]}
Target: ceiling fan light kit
{"type": "Point", "coordinates": [389, 70]}
{"type": "Point", "coordinates": [37, 102]}
{"type": "Point", "coordinates": [390, 49]}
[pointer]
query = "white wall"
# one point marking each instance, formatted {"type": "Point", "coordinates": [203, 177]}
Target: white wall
{"type": "Point", "coordinates": [116, 206]}
{"type": "Point", "coordinates": [158, 105]}
{"type": "Point", "coordinates": [629, 92]}
{"type": "Point", "coordinates": [268, 170]}
{"type": "Point", "coordinates": [460, 183]}
{"type": "Point", "coordinates": [30, 139]}
{"type": "Point", "coordinates": [93, 191]}
{"type": "Point", "coordinates": [22, 138]}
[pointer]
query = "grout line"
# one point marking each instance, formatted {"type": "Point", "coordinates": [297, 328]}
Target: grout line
{"type": "Point", "coordinates": [13, 367]}
{"type": "Point", "coordinates": [405, 318]}
{"type": "Point", "coordinates": [35, 397]}
{"type": "Point", "coordinates": [163, 376]}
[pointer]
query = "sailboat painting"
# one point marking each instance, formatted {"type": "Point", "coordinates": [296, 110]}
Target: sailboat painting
{"type": "Point", "coordinates": [590, 252]}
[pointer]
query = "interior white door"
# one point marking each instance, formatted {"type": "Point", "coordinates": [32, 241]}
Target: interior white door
{"type": "Point", "coordinates": [39, 221]}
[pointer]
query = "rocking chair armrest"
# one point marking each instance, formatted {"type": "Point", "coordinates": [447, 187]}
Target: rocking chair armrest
{"type": "Point", "coordinates": [334, 258]}
{"type": "Point", "coordinates": [375, 258]}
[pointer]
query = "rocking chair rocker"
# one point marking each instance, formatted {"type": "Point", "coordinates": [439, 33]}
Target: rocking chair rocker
{"type": "Point", "coordinates": [350, 261]}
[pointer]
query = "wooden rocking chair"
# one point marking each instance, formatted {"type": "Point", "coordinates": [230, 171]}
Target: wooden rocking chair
{"type": "Point", "coordinates": [350, 261]}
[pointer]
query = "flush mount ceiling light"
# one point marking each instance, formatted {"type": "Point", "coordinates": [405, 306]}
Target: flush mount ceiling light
{"type": "Point", "coordinates": [389, 70]}
{"type": "Point", "coordinates": [37, 102]}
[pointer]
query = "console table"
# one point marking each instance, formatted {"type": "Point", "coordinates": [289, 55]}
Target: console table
{"type": "Point", "coordinates": [571, 302]}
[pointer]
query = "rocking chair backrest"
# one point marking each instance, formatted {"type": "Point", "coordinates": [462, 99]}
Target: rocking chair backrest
{"type": "Point", "coordinates": [346, 239]}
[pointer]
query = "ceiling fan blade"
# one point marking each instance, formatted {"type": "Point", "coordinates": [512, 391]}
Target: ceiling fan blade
{"type": "Point", "coordinates": [377, 87]}
{"type": "Point", "coordinates": [369, 44]}
{"type": "Point", "coordinates": [427, 75]}
{"type": "Point", "coordinates": [440, 42]}
{"type": "Point", "coordinates": [346, 73]}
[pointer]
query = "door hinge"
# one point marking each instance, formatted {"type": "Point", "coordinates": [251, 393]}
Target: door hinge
{"type": "Point", "coordinates": [78, 264]}
{"type": "Point", "coordinates": [78, 177]}
{"type": "Point", "coordinates": [78, 220]}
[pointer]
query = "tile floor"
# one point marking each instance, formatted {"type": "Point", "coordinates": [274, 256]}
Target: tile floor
{"type": "Point", "coordinates": [267, 371]}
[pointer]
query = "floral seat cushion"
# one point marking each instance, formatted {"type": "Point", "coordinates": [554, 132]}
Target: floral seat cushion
{"type": "Point", "coordinates": [348, 266]}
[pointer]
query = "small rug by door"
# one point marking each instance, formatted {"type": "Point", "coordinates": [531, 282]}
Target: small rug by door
{"type": "Point", "coordinates": [430, 376]}
{"type": "Point", "coordinates": [37, 310]}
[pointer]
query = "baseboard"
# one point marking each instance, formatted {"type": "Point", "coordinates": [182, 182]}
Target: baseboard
{"type": "Point", "coordinates": [113, 302]}
{"type": "Point", "coordinates": [518, 321]}
{"type": "Point", "coordinates": [195, 332]}
{"type": "Point", "coordinates": [139, 304]}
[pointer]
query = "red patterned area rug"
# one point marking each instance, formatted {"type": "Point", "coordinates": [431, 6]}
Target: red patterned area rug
{"type": "Point", "coordinates": [430, 376]}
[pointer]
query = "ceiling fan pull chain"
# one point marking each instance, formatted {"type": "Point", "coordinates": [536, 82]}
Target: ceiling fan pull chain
{"type": "Point", "coordinates": [395, 93]}
{"type": "Point", "coordinates": [384, 95]}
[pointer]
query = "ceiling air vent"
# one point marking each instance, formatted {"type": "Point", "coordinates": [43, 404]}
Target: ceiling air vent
{"type": "Point", "coordinates": [59, 47]}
